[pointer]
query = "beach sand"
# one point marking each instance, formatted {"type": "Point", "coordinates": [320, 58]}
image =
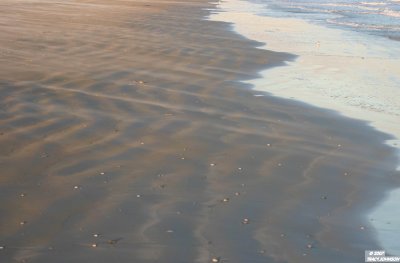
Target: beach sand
{"type": "Point", "coordinates": [350, 72]}
{"type": "Point", "coordinates": [126, 136]}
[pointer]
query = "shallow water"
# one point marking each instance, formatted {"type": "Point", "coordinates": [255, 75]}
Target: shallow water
{"type": "Point", "coordinates": [111, 119]}
{"type": "Point", "coordinates": [369, 16]}
{"type": "Point", "coordinates": [354, 73]}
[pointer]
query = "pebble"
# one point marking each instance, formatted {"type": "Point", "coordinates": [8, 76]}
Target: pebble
{"type": "Point", "coordinates": [96, 235]}
{"type": "Point", "coordinates": [216, 260]}
{"type": "Point", "coordinates": [237, 193]}
{"type": "Point", "coordinates": [310, 246]}
{"type": "Point", "coordinates": [114, 241]}
{"type": "Point", "coordinates": [245, 221]}
{"type": "Point", "coordinates": [76, 187]}
{"type": "Point", "coordinates": [362, 227]}
{"type": "Point", "coordinates": [138, 196]}
{"type": "Point", "coordinates": [2, 247]}
{"type": "Point", "coordinates": [225, 200]}
{"type": "Point", "coordinates": [212, 164]}
{"type": "Point", "coordinates": [102, 173]}
{"type": "Point", "coordinates": [268, 144]}
{"type": "Point", "coordinates": [22, 195]}
{"type": "Point", "coordinates": [94, 245]}
{"type": "Point", "coordinates": [23, 223]}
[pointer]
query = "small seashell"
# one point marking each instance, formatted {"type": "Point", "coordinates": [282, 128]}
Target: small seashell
{"type": "Point", "coordinates": [245, 221]}
{"type": "Point", "coordinates": [212, 164]}
{"type": "Point", "coordinates": [2, 247]}
{"type": "Point", "coordinates": [225, 200]}
{"type": "Point", "coordinates": [96, 235]}
{"type": "Point", "coordinates": [94, 245]}
{"type": "Point", "coordinates": [310, 246]}
{"type": "Point", "coordinates": [216, 260]}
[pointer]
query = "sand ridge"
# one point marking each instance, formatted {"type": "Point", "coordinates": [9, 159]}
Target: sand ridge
{"type": "Point", "coordinates": [123, 128]}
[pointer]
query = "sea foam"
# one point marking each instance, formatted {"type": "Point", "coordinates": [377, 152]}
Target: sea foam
{"type": "Point", "coordinates": [355, 74]}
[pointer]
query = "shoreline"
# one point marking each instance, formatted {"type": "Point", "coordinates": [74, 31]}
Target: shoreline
{"type": "Point", "coordinates": [320, 65]}
{"type": "Point", "coordinates": [318, 76]}
{"type": "Point", "coordinates": [127, 134]}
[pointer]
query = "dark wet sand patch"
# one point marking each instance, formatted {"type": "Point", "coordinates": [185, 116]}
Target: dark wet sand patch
{"type": "Point", "coordinates": [125, 136]}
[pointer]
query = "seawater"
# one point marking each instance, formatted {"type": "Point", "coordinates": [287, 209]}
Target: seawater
{"type": "Point", "coordinates": [368, 16]}
{"type": "Point", "coordinates": [347, 61]}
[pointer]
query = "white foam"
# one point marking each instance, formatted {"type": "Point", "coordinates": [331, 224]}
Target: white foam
{"type": "Point", "coordinates": [389, 12]}
{"type": "Point", "coordinates": [353, 73]}
{"type": "Point", "coordinates": [374, 3]}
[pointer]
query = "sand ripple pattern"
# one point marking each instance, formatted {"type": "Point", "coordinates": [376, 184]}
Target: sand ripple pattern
{"type": "Point", "coordinates": [125, 137]}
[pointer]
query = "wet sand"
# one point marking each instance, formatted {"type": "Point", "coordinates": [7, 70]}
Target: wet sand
{"type": "Point", "coordinates": [126, 136]}
{"type": "Point", "coordinates": [350, 72]}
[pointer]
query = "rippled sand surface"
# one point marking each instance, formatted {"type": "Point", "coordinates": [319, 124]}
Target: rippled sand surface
{"type": "Point", "coordinates": [125, 137]}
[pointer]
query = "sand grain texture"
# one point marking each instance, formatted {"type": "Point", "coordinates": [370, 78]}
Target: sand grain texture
{"type": "Point", "coordinates": [123, 127]}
